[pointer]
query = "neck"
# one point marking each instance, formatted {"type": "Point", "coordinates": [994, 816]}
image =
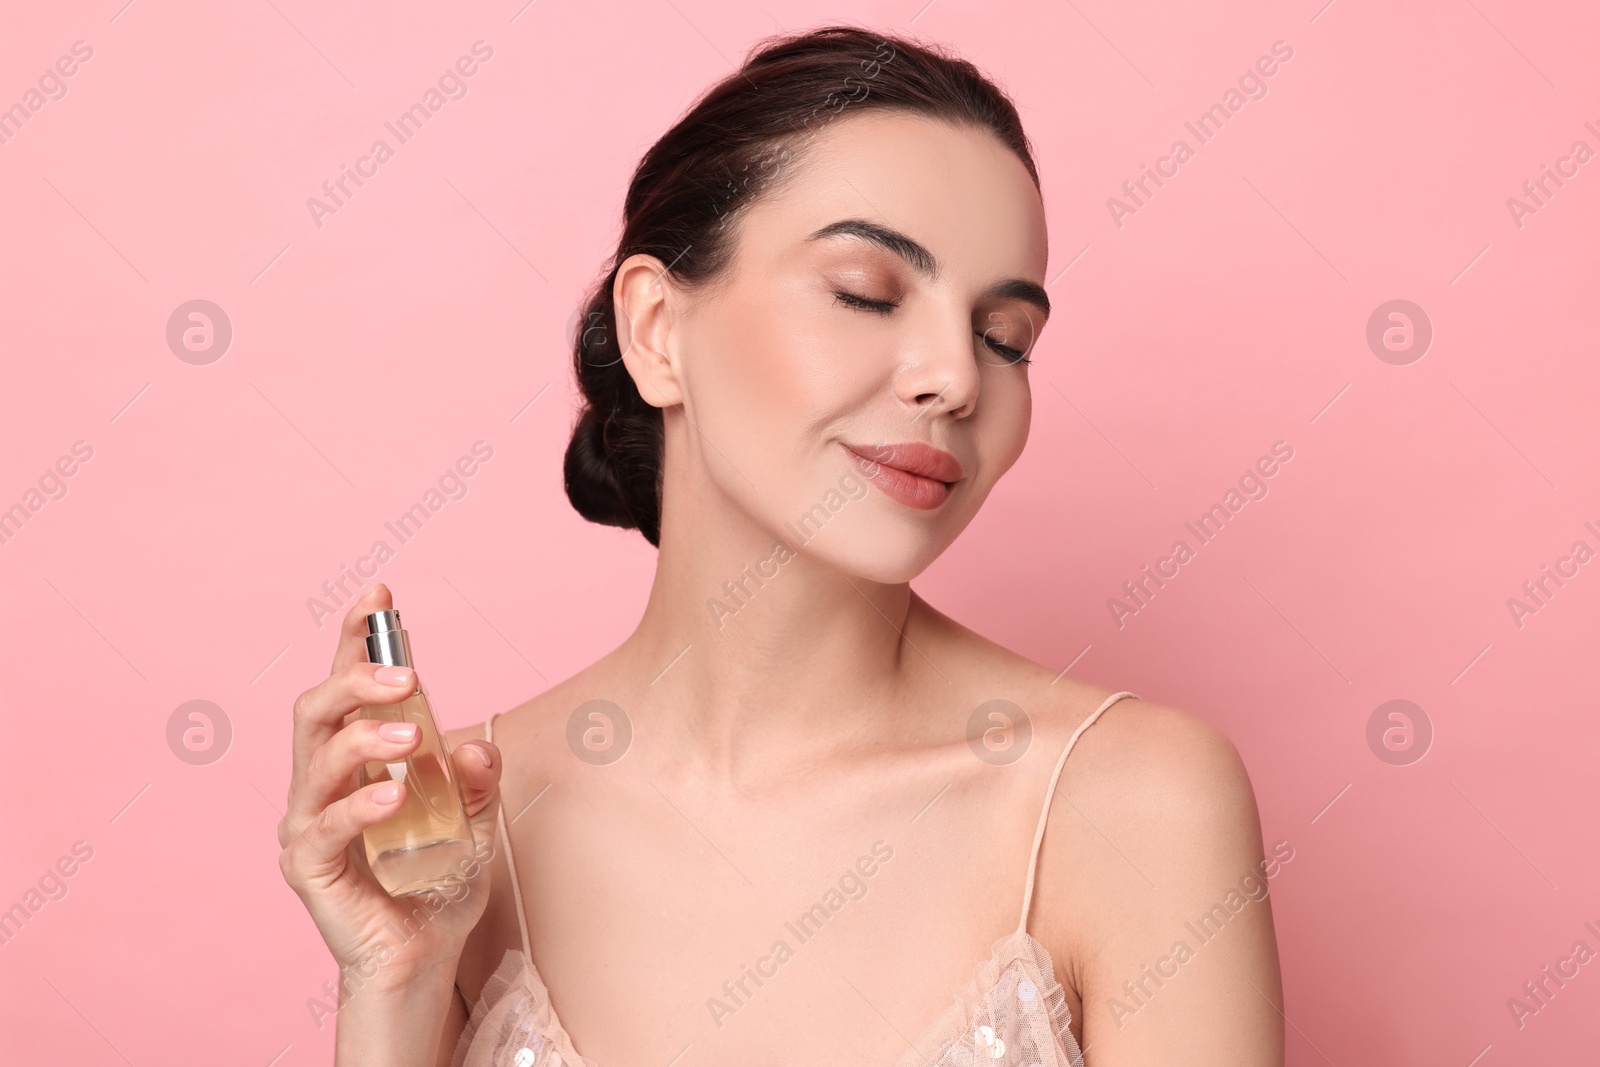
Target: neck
{"type": "Point", "coordinates": [752, 650]}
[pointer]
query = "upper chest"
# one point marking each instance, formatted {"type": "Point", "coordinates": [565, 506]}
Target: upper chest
{"type": "Point", "coordinates": [833, 926]}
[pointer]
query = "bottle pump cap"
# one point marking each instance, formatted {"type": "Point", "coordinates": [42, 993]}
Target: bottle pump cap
{"type": "Point", "coordinates": [387, 643]}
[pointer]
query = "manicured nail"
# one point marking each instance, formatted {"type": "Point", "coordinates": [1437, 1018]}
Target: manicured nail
{"type": "Point", "coordinates": [397, 731]}
{"type": "Point", "coordinates": [483, 754]}
{"type": "Point", "coordinates": [387, 794]}
{"type": "Point", "coordinates": [393, 675]}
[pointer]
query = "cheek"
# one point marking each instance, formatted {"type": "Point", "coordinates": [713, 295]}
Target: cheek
{"type": "Point", "coordinates": [1012, 405]}
{"type": "Point", "coordinates": [1007, 418]}
{"type": "Point", "coordinates": [780, 364]}
{"type": "Point", "coordinates": [752, 395]}
{"type": "Point", "coordinates": [746, 390]}
{"type": "Point", "coordinates": [1025, 418]}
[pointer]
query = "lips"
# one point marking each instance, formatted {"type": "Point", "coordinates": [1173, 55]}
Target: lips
{"type": "Point", "coordinates": [913, 473]}
{"type": "Point", "coordinates": [913, 457]}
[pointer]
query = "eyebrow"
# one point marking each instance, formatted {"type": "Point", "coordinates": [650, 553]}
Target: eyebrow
{"type": "Point", "coordinates": [923, 261]}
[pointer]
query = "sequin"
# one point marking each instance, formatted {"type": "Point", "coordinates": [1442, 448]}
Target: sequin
{"type": "Point", "coordinates": [985, 1035]}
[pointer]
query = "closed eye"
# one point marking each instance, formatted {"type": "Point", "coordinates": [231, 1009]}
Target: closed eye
{"type": "Point", "coordinates": [855, 300]}
{"type": "Point", "coordinates": [884, 307]}
{"type": "Point", "coordinates": [1007, 351]}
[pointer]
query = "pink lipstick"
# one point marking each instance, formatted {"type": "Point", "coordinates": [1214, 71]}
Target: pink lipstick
{"type": "Point", "coordinates": [915, 474]}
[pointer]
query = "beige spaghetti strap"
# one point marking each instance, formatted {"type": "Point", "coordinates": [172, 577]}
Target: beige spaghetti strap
{"type": "Point", "coordinates": [1038, 834]}
{"type": "Point", "coordinates": [505, 836]}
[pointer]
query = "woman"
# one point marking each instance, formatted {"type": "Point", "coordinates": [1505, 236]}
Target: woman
{"type": "Point", "coordinates": [845, 830]}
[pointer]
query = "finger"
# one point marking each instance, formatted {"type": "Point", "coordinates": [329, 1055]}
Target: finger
{"type": "Point", "coordinates": [330, 769]}
{"type": "Point", "coordinates": [352, 647]}
{"type": "Point", "coordinates": [317, 855]}
{"type": "Point", "coordinates": [478, 765]}
{"type": "Point", "coordinates": [321, 711]}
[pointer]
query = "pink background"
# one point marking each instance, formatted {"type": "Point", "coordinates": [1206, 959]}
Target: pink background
{"type": "Point", "coordinates": [1227, 314]}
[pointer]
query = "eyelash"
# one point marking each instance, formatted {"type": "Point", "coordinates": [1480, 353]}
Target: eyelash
{"type": "Point", "coordinates": [883, 307]}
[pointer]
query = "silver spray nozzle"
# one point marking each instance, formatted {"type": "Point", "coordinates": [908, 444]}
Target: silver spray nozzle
{"type": "Point", "coordinates": [387, 643]}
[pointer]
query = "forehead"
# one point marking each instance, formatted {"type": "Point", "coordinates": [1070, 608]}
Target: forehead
{"type": "Point", "coordinates": [959, 191]}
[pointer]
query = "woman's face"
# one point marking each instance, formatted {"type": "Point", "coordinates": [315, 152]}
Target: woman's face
{"type": "Point", "coordinates": [853, 383]}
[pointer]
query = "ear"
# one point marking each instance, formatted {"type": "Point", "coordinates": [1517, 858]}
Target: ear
{"type": "Point", "coordinates": [647, 307]}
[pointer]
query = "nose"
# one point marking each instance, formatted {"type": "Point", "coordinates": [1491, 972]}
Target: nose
{"type": "Point", "coordinates": [941, 377]}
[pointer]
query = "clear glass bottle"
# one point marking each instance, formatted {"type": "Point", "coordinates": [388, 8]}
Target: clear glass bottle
{"type": "Point", "coordinates": [426, 844]}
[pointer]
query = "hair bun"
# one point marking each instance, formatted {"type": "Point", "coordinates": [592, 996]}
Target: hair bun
{"type": "Point", "coordinates": [586, 474]}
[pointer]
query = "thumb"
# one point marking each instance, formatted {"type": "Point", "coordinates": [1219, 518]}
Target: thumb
{"type": "Point", "coordinates": [478, 765]}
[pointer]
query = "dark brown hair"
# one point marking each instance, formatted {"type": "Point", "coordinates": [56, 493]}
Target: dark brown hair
{"type": "Point", "coordinates": [735, 143]}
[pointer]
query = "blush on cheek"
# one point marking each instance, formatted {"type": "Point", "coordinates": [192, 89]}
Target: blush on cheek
{"type": "Point", "coordinates": [1005, 409]}
{"type": "Point", "coordinates": [786, 365]}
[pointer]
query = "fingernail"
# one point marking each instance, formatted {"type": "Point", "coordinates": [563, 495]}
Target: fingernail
{"type": "Point", "coordinates": [483, 754]}
{"type": "Point", "coordinates": [393, 675]}
{"type": "Point", "coordinates": [397, 731]}
{"type": "Point", "coordinates": [387, 794]}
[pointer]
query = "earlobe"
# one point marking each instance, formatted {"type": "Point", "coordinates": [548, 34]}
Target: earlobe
{"type": "Point", "coordinates": [646, 306]}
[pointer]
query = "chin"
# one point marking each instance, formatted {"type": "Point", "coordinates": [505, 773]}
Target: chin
{"type": "Point", "coordinates": [883, 551]}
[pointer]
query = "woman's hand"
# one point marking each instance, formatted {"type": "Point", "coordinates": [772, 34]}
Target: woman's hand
{"type": "Point", "coordinates": [385, 941]}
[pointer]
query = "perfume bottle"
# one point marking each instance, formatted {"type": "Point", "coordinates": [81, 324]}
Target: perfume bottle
{"type": "Point", "coordinates": [427, 844]}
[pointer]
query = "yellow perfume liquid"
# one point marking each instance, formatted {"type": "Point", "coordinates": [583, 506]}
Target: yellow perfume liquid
{"type": "Point", "coordinates": [426, 845]}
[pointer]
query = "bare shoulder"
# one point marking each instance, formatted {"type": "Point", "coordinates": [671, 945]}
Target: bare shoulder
{"type": "Point", "coordinates": [1138, 752]}
{"type": "Point", "coordinates": [1152, 867]}
{"type": "Point", "coordinates": [1151, 799]}
{"type": "Point", "coordinates": [1164, 773]}
{"type": "Point", "coordinates": [1148, 758]}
